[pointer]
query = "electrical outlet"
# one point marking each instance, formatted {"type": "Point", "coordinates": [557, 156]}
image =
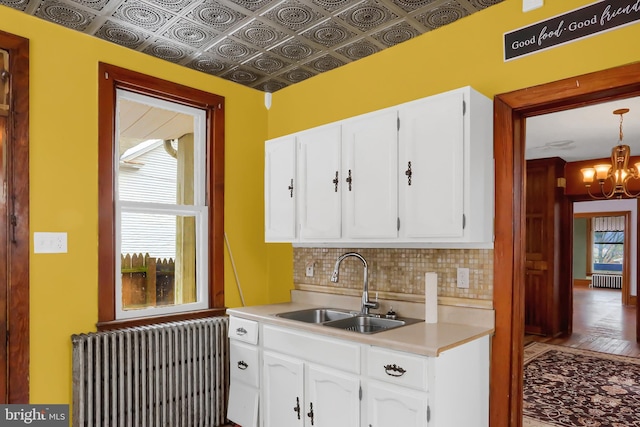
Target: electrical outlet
{"type": "Point", "coordinates": [463, 277]}
{"type": "Point", "coordinates": [49, 243]}
{"type": "Point", "coordinates": [309, 270]}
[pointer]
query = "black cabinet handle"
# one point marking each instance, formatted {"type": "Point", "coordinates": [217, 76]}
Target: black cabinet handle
{"type": "Point", "coordinates": [290, 188]}
{"type": "Point", "coordinates": [394, 370]}
{"type": "Point", "coordinates": [408, 173]}
{"type": "Point", "coordinates": [349, 180]}
{"type": "Point", "coordinates": [335, 182]}
{"type": "Point", "coordinates": [310, 413]}
{"type": "Point", "coordinates": [297, 407]}
{"type": "Point", "coordinates": [242, 365]}
{"type": "Point", "coordinates": [241, 331]}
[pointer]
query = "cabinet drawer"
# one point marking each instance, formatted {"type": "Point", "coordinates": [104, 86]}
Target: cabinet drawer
{"type": "Point", "coordinates": [243, 330]}
{"type": "Point", "coordinates": [396, 367]}
{"type": "Point", "coordinates": [244, 363]}
{"type": "Point", "coordinates": [315, 348]}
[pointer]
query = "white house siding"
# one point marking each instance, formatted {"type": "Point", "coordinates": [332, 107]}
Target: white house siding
{"type": "Point", "coordinates": [154, 182]}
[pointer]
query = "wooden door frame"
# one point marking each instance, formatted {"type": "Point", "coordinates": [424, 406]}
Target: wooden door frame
{"type": "Point", "coordinates": [16, 235]}
{"type": "Point", "coordinates": [510, 112]}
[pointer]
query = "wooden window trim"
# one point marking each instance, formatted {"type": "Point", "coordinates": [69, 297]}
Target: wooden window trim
{"type": "Point", "coordinates": [110, 78]}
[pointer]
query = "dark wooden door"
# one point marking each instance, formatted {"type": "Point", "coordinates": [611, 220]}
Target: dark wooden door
{"type": "Point", "coordinates": [14, 219]}
{"type": "Point", "coordinates": [544, 209]}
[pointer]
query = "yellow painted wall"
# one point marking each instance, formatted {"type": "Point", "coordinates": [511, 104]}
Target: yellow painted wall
{"type": "Point", "coordinates": [64, 186]}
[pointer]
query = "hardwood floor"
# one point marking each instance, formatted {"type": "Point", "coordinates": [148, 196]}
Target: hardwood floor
{"type": "Point", "coordinates": [600, 323]}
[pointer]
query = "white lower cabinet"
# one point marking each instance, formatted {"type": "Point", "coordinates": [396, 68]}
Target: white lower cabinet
{"type": "Point", "coordinates": [392, 406]}
{"type": "Point", "coordinates": [244, 373]}
{"type": "Point", "coordinates": [302, 379]}
{"type": "Point", "coordinates": [299, 394]}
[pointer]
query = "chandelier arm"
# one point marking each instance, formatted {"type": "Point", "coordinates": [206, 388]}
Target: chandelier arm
{"type": "Point", "coordinates": [626, 190]}
{"type": "Point", "coordinates": [594, 196]}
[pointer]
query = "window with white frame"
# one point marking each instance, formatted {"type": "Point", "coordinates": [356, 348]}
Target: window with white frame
{"type": "Point", "coordinates": [161, 212]}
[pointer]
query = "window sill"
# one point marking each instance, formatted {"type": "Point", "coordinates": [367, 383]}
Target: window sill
{"type": "Point", "coordinates": [127, 323]}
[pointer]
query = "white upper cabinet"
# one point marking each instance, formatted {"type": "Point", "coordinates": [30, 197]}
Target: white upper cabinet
{"type": "Point", "coordinates": [419, 174]}
{"type": "Point", "coordinates": [445, 148]}
{"type": "Point", "coordinates": [320, 183]}
{"type": "Point", "coordinates": [370, 171]}
{"type": "Point", "coordinates": [280, 190]}
{"type": "Point", "coordinates": [432, 157]}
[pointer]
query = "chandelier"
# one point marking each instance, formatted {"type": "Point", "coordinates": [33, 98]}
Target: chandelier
{"type": "Point", "coordinates": [618, 173]}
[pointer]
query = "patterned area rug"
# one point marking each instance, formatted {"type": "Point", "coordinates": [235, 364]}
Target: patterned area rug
{"type": "Point", "coordinates": [568, 387]}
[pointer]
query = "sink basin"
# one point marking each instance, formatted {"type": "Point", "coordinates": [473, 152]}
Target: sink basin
{"type": "Point", "coordinates": [317, 315]}
{"type": "Point", "coordinates": [369, 324]}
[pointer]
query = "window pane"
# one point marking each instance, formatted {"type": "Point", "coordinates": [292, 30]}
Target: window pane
{"type": "Point", "coordinates": [158, 260]}
{"type": "Point", "coordinates": [155, 170]}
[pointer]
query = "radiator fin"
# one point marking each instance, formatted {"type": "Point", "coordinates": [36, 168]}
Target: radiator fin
{"type": "Point", "coordinates": [171, 374]}
{"type": "Point", "coordinates": [613, 281]}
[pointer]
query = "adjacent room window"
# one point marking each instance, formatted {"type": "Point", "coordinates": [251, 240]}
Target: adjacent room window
{"type": "Point", "coordinates": [608, 244]}
{"type": "Point", "coordinates": [161, 174]}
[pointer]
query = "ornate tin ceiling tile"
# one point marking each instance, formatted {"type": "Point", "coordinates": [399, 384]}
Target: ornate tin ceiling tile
{"type": "Point", "coordinates": [325, 63]}
{"type": "Point", "coordinates": [396, 34]}
{"type": "Point", "coordinates": [209, 64]}
{"type": "Point", "coordinates": [232, 50]}
{"type": "Point", "coordinates": [411, 5]}
{"type": "Point", "coordinates": [294, 50]}
{"type": "Point", "coordinates": [124, 36]}
{"type": "Point", "coordinates": [263, 44]}
{"type": "Point", "coordinates": [268, 64]}
{"type": "Point", "coordinates": [298, 74]}
{"type": "Point", "coordinates": [187, 32]}
{"type": "Point", "coordinates": [294, 15]}
{"type": "Point", "coordinates": [260, 34]}
{"type": "Point", "coordinates": [169, 51]}
{"type": "Point", "coordinates": [243, 75]}
{"type": "Point", "coordinates": [64, 14]}
{"type": "Point", "coordinates": [142, 15]}
{"type": "Point", "coordinates": [329, 34]}
{"type": "Point", "coordinates": [16, 4]}
{"type": "Point", "coordinates": [216, 15]}
{"type": "Point", "coordinates": [93, 4]}
{"type": "Point", "coordinates": [270, 85]}
{"type": "Point", "coordinates": [367, 15]}
{"type": "Point", "coordinates": [332, 5]}
{"type": "Point", "coordinates": [442, 15]}
{"type": "Point", "coordinates": [252, 5]}
{"type": "Point", "coordinates": [358, 49]}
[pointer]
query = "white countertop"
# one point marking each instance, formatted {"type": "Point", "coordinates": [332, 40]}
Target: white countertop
{"type": "Point", "coordinates": [427, 339]}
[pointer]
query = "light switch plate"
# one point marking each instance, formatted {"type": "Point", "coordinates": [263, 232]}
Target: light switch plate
{"type": "Point", "coordinates": [49, 243]}
{"type": "Point", "coordinates": [463, 277]}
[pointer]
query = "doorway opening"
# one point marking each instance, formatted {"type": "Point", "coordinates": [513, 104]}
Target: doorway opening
{"type": "Point", "coordinates": [510, 113]}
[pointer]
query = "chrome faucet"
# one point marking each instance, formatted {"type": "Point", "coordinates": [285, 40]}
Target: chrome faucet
{"type": "Point", "coordinates": [366, 304]}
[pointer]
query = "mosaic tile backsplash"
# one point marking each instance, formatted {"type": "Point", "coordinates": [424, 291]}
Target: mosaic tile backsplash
{"type": "Point", "coordinates": [399, 270]}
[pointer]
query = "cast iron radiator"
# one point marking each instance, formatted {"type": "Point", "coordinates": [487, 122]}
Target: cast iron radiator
{"type": "Point", "coordinates": [171, 374]}
{"type": "Point", "coordinates": [613, 281]}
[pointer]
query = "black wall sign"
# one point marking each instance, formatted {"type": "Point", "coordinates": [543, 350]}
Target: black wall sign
{"type": "Point", "coordinates": [586, 21]}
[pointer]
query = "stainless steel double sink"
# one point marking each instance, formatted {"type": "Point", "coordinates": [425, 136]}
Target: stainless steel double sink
{"type": "Point", "coordinates": [347, 320]}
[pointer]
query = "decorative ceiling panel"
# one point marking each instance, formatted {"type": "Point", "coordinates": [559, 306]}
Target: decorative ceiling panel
{"type": "Point", "coordinates": [264, 44]}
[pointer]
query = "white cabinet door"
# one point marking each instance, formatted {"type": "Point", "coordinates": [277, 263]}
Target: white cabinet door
{"type": "Point", "coordinates": [279, 190]}
{"type": "Point", "coordinates": [282, 391]}
{"type": "Point", "coordinates": [370, 165]}
{"type": "Point", "coordinates": [320, 183]}
{"type": "Point", "coordinates": [393, 406]}
{"type": "Point", "coordinates": [431, 148]}
{"type": "Point", "coordinates": [332, 398]}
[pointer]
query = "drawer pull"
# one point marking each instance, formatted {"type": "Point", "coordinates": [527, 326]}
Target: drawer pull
{"type": "Point", "coordinates": [394, 370]}
{"type": "Point", "coordinates": [297, 407]}
{"type": "Point", "coordinates": [242, 365]}
{"type": "Point", "coordinates": [241, 331]}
